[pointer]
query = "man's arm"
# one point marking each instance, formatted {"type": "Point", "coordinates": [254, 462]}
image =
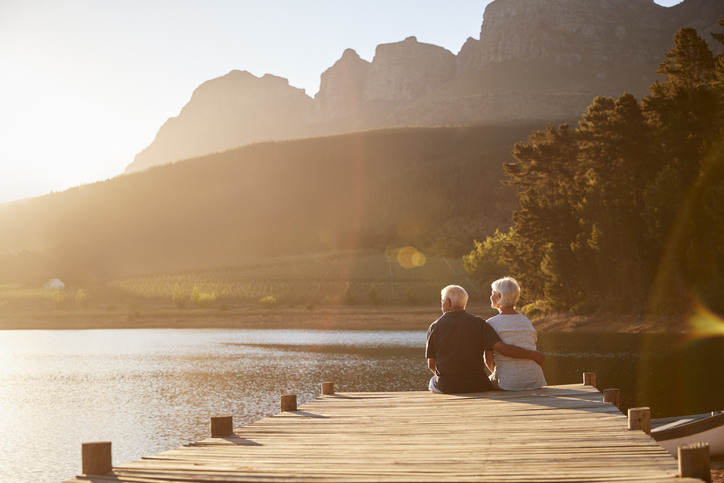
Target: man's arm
{"type": "Point", "coordinates": [519, 353]}
{"type": "Point", "coordinates": [431, 365]}
{"type": "Point", "coordinates": [490, 360]}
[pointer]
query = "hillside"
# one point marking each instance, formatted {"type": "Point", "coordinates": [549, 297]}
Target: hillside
{"type": "Point", "coordinates": [433, 188]}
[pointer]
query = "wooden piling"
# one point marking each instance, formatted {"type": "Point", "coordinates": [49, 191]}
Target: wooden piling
{"type": "Point", "coordinates": [589, 379]}
{"type": "Point", "coordinates": [694, 461]}
{"type": "Point", "coordinates": [612, 396]}
{"type": "Point", "coordinates": [221, 426]}
{"type": "Point", "coordinates": [289, 402]}
{"type": "Point", "coordinates": [640, 418]}
{"type": "Point", "coordinates": [327, 389]}
{"type": "Point", "coordinates": [97, 459]}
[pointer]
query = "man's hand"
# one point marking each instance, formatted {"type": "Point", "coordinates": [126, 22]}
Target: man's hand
{"type": "Point", "coordinates": [431, 365]}
{"type": "Point", "coordinates": [519, 353]}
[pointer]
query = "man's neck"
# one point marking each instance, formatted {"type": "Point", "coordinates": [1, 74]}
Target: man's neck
{"type": "Point", "coordinates": [507, 311]}
{"type": "Point", "coordinates": [454, 309]}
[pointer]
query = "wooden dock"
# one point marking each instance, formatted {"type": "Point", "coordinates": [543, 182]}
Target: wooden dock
{"type": "Point", "coordinates": [553, 434]}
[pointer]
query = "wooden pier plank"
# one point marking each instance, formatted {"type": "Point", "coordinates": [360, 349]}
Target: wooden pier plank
{"type": "Point", "coordinates": [552, 434]}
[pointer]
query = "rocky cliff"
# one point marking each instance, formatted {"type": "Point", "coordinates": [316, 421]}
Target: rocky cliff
{"type": "Point", "coordinates": [236, 109]}
{"type": "Point", "coordinates": [534, 60]}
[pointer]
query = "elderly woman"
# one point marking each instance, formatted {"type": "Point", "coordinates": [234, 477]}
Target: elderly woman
{"type": "Point", "coordinates": [515, 329]}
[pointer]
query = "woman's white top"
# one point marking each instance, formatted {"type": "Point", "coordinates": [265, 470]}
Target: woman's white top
{"type": "Point", "coordinates": [516, 374]}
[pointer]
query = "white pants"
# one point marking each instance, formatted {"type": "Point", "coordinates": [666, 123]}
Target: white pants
{"type": "Point", "coordinates": [432, 386]}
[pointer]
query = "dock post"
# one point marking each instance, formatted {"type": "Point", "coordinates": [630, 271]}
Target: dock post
{"type": "Point", "coordinates": [640, 418]}
{"type": "Point", "coordinates": [589, 379]}
{"type": "Point", "coordinates": [694, 461]}
{"type": "Point", "coordinates": [612, 396]}
{"type": "Point", "coordinates": [289, 402]}
{"type": "Point", "coordinates": [327, 389]}
{"type": "Point", "coordinates": [97, 458]}
{"type": "Point", "coordinates": [221, 426]}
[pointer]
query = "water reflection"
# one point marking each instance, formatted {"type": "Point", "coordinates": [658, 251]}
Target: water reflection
{"type": "Point", "coordinates": [151, 390]}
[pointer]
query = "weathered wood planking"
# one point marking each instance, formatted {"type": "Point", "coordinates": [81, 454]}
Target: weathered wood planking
{"type": "Point", "coordinates": [553, 434]}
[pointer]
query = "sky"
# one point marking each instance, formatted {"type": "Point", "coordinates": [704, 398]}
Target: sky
{"type": "Point", "coordinates": [86, 84]}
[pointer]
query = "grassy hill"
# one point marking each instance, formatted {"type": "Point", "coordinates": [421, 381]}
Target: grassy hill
{"type": "Point", "coordinates": [432, 188]}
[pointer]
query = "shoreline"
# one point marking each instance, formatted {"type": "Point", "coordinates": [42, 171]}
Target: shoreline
{"type": "Point", "coordinates": [322, 318]}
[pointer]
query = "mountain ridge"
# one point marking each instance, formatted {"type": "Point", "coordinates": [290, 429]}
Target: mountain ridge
{"type": "Point", "coordinates": [535, 60]}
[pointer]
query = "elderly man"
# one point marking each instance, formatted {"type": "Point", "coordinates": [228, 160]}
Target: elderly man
{"type": "Point", "coordinates": [456, 343]}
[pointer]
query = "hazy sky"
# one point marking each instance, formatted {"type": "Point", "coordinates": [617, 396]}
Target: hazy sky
{"type": "Point", "coordinates": [85, 84]}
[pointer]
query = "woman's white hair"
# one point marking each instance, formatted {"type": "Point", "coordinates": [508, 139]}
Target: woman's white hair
{"type": "Point", "coordinates": [457, 295]}
{"type": "Point", "coordinates": [509, 290]}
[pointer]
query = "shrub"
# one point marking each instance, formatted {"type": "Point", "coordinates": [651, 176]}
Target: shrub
{"type": "Point", "coordinates": [201, 299]}
{"type": "Point", "coordinates": [586, 307]}
{"type": "Point", "coordinates": [539, 307]}
{"type": "Point", "coordinates": [269, 302]}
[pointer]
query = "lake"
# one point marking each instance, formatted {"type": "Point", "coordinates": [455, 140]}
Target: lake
{"type": "Point", "coordinates": [152, 390]}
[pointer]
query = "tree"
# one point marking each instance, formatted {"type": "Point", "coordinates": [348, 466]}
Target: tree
{"type": "Point", "coordinates": [373, 295]}
{"type": "Point", "coordinates": [487, 260]}
{"type": "Point", "coordinates": [683, 109]}
{"type": "Point", "coordinates": [551, 182]}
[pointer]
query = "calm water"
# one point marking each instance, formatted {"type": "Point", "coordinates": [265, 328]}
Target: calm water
{"type": "Point", "coordinates": [152, 390]}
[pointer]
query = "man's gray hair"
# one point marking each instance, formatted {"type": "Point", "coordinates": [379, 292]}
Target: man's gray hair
{"type": "Point", "coordinates": [457, 295]}
{"type": "Point", "coordinates": [509, 289]}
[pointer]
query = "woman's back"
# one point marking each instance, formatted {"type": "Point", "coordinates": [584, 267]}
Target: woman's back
{"type": "Point", "coordinates": [516, 374]}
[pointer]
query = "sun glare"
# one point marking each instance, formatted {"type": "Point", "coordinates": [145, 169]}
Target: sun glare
{"type": "Point", "coordinates": [704, 323]}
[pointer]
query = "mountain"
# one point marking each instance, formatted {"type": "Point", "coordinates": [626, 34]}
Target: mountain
{"type": "Point", "coordinates": [236, 109]}
{"type": "Point", "coordinates": [535, 60]}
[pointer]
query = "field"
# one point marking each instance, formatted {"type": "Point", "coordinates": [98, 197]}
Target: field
{"type": "Point", "coordinates": [400, 277]}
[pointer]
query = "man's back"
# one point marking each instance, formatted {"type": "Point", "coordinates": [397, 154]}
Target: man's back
{"type": "Point", "coordinates": [457, 341]}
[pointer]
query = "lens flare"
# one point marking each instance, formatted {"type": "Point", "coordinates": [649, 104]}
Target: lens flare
{"type": "Point", "coordinates": [705, 323]}
{"type": "Point", "coordinates": [410, 257]}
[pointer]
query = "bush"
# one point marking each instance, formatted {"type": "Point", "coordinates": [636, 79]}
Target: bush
{"type": "Point", "coordinates": [201, 299]}
{"type": "Point", "coordinates": [539, 307]}
{"type": "Point", "coordinates": [269, 302]}
{"type": "Point", "coordinates": [586, 307]}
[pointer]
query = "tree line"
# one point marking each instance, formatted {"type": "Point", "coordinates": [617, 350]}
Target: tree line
{"type": "Point", "coordinates": [624, 213]}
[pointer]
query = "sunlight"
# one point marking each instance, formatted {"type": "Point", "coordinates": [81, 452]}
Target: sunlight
{"type": "Point", "coordinates": [410, 257]}
{"type": "Point", "coordinates": [705, 323]}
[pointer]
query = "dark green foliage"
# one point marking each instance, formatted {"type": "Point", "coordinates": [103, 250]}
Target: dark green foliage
{"type": "Point", "coordinates": [486, 263]}
{"type": "Point", "coordinates": [628, 208]}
